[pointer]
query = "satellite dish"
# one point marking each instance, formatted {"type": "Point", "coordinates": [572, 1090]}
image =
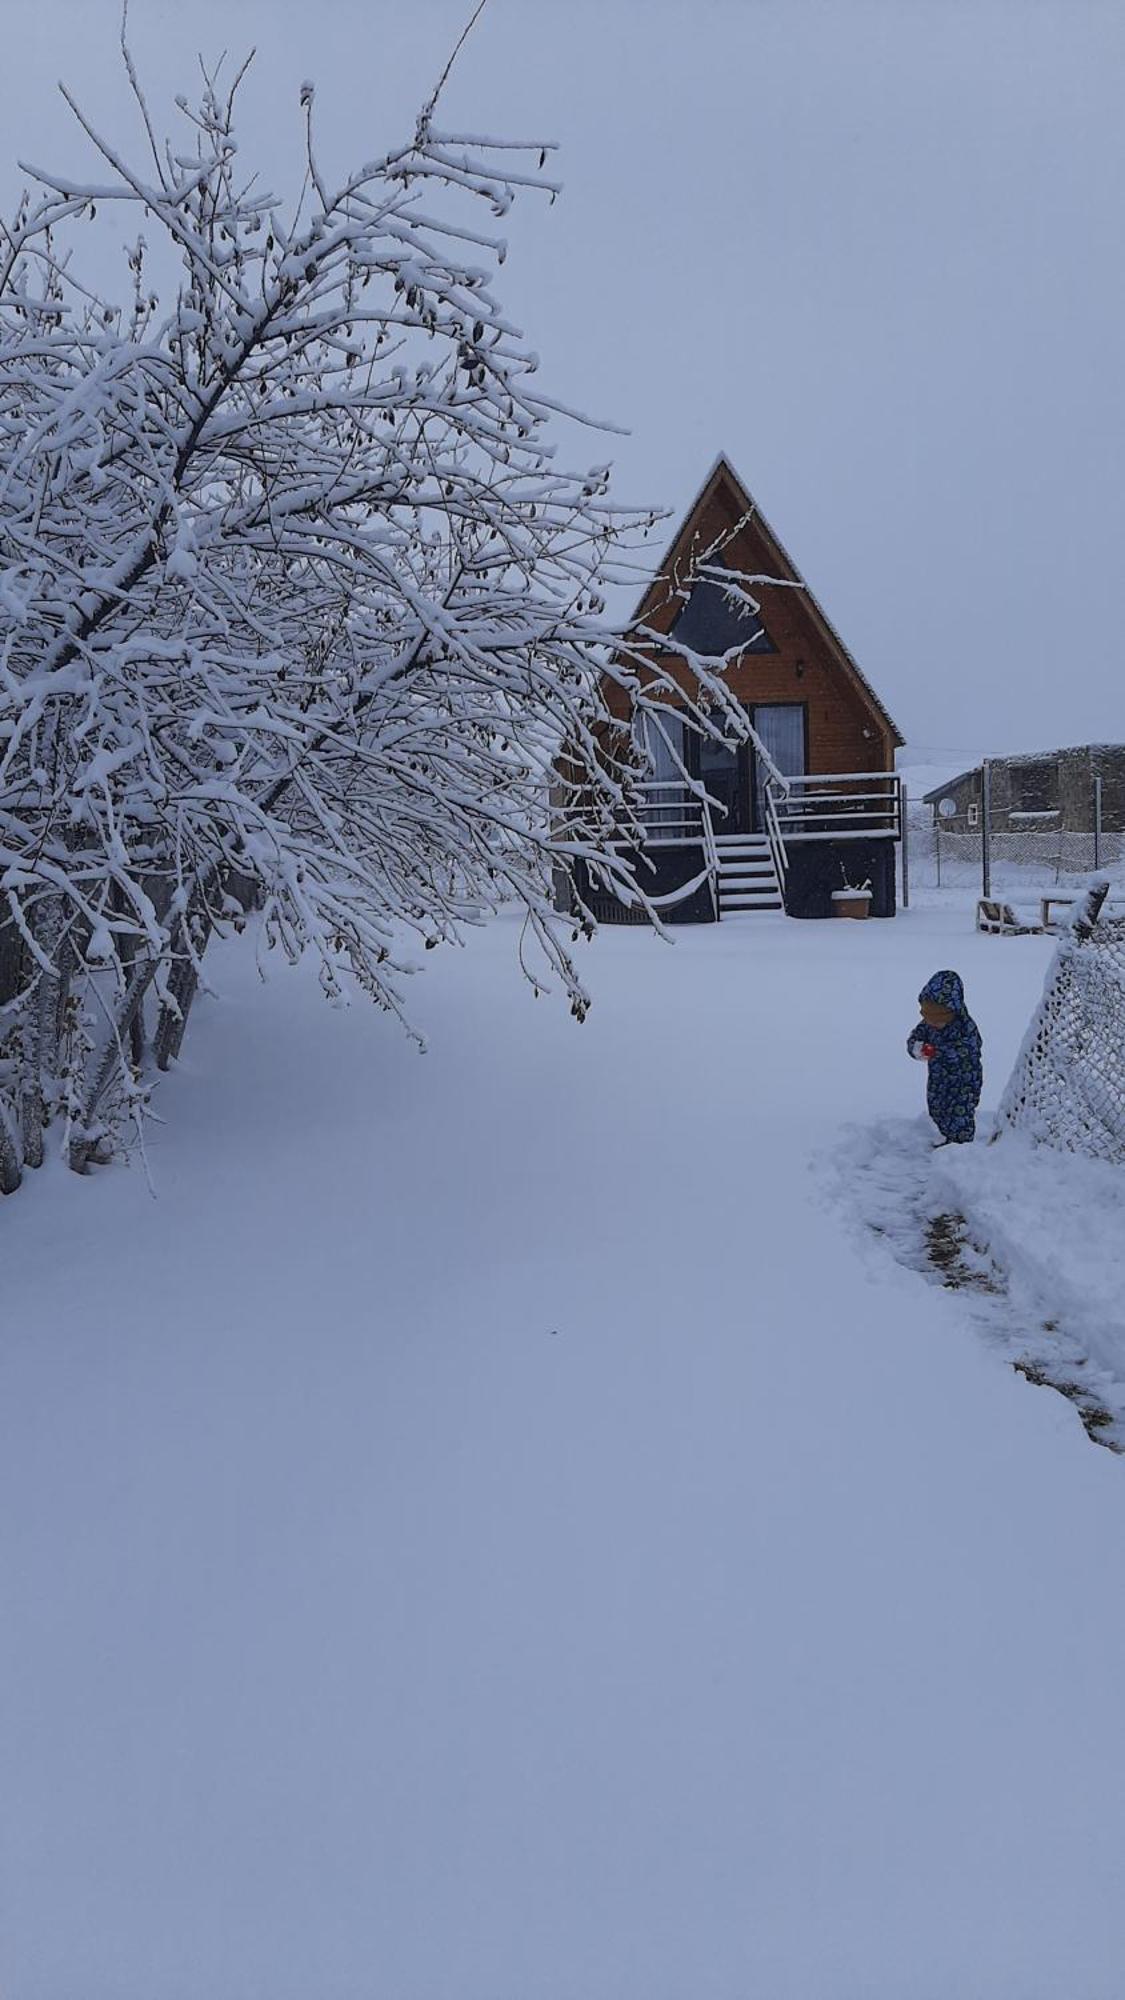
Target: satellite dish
{"type": "Point", "coordinates": [947, 807]}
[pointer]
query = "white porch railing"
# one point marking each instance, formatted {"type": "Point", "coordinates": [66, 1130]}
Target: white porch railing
{"type": "Point", "coordinates": [831, 805]}
{"type": "Point", "coordinates": [771, 819]}
{"type": "Point", "coordinates": [837, 805]}
{"type": "Point", "coordinates": [673, 813]}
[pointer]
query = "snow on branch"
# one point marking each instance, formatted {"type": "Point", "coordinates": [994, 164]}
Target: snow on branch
{"type": "Point", "coordinates": [300, 607]}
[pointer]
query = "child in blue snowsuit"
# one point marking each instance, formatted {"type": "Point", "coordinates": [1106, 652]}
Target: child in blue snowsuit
{"type": "Point", "coordinates": [948, 1039]}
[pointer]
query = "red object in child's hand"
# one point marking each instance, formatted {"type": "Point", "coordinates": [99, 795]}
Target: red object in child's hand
{"type": "Point", "coordinates": [928, 1050]}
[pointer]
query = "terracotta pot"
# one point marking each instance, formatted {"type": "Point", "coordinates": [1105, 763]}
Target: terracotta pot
{"type": "Point", "coordinates": [848, 904]}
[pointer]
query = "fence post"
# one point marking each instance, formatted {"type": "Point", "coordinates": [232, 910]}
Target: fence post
{"type": "Point", "coordinates": [904, 810]}
{"type": "Point", "coordinates": [1088, 912]}
{"type": "Point", "coordinates": [986, 829]}
{"type": "Point", "coordinates": [1097, 821]}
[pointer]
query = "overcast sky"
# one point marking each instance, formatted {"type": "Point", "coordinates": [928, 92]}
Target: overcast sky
{"type": "Point", "coordinates": [870, 249]}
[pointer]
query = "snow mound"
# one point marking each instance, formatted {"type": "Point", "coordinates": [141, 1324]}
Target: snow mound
{"type": "Point", "coordinates": [1032, 1238]}
{"type": "Point", "coordinates": [1055, 1223]}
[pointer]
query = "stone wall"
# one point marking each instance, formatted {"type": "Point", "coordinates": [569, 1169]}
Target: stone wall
{"type": "Point", "coordinates": [1059, 783]}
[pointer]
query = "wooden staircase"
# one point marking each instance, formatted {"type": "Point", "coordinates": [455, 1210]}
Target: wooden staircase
{"type": "Point", "coordinates": [747, 875]}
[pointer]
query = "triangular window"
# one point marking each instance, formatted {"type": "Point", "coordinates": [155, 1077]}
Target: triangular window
{"type": "Point", "coordinates": [718, 620]}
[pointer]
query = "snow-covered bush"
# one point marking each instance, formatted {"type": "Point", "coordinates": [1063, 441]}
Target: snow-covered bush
{"type": "Point", "coordinates": [297, 604]}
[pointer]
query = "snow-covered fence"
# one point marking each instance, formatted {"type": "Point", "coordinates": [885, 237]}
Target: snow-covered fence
{"type": "Point", "coordinates": [941, 858]}
{"type": "Point", "coordinates": [1030, 847]}
{"type": "Point", "coordinates": [921, 841]}
{"type": "Point", "coordinates": [1068, 1085]}
{"type": "Point", "coordinates": [1023, 856]}
{"type": "Point", "coordinates": [1042, 834]}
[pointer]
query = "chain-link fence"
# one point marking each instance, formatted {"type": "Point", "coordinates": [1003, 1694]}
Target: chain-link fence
{"type": "Point", "coordinates": [1068, 1085]}
{"type": "Point", "coordinates": [940, 862]}
{"type": "Point", "coordinates": [1014, 857]}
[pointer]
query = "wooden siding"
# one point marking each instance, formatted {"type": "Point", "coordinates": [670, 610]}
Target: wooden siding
{"type": "Point", "coordinates": [847, 730]}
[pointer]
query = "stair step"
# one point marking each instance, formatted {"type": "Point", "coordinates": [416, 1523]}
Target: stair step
{"type": "Point", "coordinates": [747, 874]}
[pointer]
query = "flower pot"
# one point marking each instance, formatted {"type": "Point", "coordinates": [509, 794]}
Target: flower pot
{"type": "Point", "coordinates": [851, 902]}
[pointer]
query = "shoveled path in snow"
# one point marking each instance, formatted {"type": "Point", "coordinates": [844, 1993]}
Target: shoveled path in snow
{"type": "Point", "coordinates": [491, 1529]}
{"type": "Point", "coordinates": [1031, 1238]}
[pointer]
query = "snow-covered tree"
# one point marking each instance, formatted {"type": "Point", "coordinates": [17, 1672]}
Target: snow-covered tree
{"type": "Point", "coordinates": [297, 604]}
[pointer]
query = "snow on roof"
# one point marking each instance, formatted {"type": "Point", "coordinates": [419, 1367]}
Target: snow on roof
{"type": "Point", "coordinates": [922, 776]}
{"type": "Point", "coordinates": [1067, 750]}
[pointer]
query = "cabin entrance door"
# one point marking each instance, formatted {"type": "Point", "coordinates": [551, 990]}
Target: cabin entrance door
{"type": "Point", "coordinates": [723, 770]}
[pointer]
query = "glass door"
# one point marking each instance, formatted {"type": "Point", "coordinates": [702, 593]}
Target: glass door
{"type": "Point", "coordinates": [781, 726]}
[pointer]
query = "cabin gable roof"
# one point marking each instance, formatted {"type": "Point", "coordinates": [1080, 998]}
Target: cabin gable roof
{"type": "Point", "coordinates": [724, 493]}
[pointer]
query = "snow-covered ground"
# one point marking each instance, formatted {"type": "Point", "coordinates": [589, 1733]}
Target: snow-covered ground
{"type": "Point", "coordinates": [1034, 1239]}
{"type": "Point", "coordinates": [499, 1525]}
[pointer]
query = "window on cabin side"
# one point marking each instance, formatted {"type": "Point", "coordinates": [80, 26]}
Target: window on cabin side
{"type": "Point", "coordinates": [715, 620]}
{"type": "Point", "coordinates": [974, 815]}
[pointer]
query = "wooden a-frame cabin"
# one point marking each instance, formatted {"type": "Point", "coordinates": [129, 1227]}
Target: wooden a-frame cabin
{"type": "Point", "coordinates": [810, 802]}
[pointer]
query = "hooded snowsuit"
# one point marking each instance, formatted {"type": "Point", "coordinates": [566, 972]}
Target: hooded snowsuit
{"type": "Point", "coordinates": [953, 1085]}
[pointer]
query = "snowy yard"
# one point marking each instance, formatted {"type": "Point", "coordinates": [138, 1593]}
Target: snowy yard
{"type": "Point", "coordinates": [499, 1525]}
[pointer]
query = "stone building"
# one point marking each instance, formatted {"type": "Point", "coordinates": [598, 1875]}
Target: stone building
{"type": "Point", "coordinates": [1041, 791]}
